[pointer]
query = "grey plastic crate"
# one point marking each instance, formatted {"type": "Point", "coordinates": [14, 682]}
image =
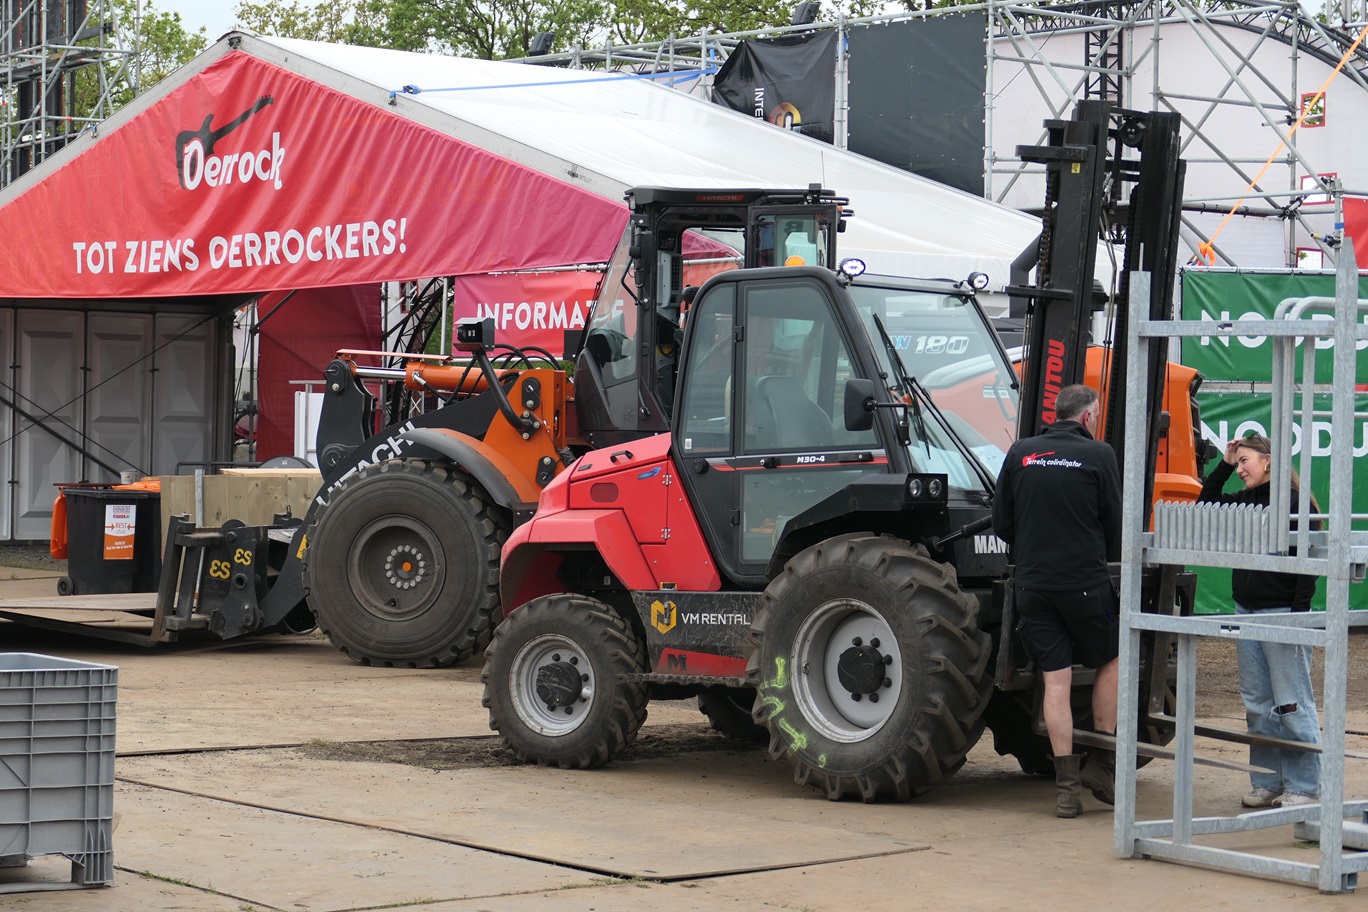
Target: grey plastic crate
{"type": "Point", "coordinates": [57, 766]}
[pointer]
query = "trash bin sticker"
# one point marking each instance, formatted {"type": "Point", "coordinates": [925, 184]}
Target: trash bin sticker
{"type": "Point", "coordinates": [120, 523]}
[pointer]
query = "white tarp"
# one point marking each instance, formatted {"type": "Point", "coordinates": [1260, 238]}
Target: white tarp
{"type": "Point", "coordinates": [608, 132]}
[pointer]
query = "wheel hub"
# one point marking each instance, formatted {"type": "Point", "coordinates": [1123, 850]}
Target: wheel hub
{"type": "Point", "coordinates": [396, 567]}
{"type": "Point", "coordinates": [551, 683]}
{"type": "Point", "coordinates": [862, 668]}
{"type": "Point", "coordinates": [559, 683]}
{"type": "Point", "coordinates": [405, 567]}
{"type": "Point", "coordinates": [850, 666]}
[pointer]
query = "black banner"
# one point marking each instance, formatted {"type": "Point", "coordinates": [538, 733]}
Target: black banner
{"type": "Point", "coordinates": [789, 81]}
{"type": "Point", "coordinates": [916, 96]}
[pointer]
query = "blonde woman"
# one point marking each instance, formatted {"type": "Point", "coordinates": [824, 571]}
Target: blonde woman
{"type": "Point", "coordinates": [1275, 678]}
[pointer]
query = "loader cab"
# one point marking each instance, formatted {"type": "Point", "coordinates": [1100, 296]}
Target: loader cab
{"type": "Point", "coordinates": [761, 436]}
{"type": "Point", "coordinates": [627, 366]}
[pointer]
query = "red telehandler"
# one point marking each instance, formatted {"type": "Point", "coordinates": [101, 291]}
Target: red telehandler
{"type": "Point", "coordinates": [804, 548]}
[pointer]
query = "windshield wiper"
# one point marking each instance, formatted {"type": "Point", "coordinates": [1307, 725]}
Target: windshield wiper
{"type": "Point", "coordinates": [917, 395]}
{"type": "Point", "coordinates": [904, 384]}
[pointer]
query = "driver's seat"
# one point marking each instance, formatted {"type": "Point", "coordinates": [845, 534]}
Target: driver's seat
{"type": "Point", "coordinates": [787, 418]}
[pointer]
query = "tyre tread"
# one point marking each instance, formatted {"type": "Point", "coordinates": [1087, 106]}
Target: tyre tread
{"type": "Point", "coordinates": [482, 615]}
{"type": "Point", "coordinates": [947, 724]}
{"type": "Point", "coordinates": [626, 656]}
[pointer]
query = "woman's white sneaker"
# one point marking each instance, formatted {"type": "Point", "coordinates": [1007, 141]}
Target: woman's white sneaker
{"type": "Point", "coordinates": [1261, 798]}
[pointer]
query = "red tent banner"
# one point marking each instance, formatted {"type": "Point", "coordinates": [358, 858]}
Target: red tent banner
{"type": "Point", "coordinates": [297, 340]}
{"type": "Point", "coordinates": [529, 309]}
{"type": "Point", "coordinates": [249, 178]}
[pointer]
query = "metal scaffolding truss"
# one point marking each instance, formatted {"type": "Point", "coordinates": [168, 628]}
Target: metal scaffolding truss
{"type": "Point", "coordinates": [1224, 535]}
{"type": "Point", "coordinates": [1119, 60]}
{"type": "Point", "coordinates": [60, 63]}
{"type": "Point", "coordinates": [1134, 25]}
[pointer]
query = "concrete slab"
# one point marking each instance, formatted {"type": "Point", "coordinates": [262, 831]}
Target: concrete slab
{"type": "Point", "coordinates": [277, 690]}
{"type": "Point", "coordinates": [77, 604]}
{"type": "Point", "coordinates": [287, 861]}
{"type": "Point", "coordinates": [992, 836]}
{"type": "Point", "coordinates": [130, 891]}
{"type": "Point", "coordinates": [704, 816]}
{"type": "Point", "coordinates": [12, 574]}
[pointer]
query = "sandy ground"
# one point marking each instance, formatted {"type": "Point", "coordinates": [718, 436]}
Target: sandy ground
{"type": "Point", "coordinates": [275, 774]}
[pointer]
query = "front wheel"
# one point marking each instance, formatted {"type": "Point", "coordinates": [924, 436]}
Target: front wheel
{"type": "Point", "coordinates": [870, 670]}
{"type": "Point", "coordinates": [555, 682]}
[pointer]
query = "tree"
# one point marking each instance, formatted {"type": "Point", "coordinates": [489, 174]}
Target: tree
{"type": "Point", "coordinates": [158, 44]}
{"type": "Point", "coordinates": [327, 21]}
{"type": "Point", "coordinates": [494, 29]}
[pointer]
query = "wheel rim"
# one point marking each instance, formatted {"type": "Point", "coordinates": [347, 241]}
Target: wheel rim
{"type": "Point", "coordinates": [394, 567]}
{"type": "Point", "coordinates": [552, 685]}
{"type": "Point", "coordinates": [837, 657]}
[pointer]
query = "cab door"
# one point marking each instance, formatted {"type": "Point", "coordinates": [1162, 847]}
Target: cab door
{"type": "Point", "coordinates": [761, 435]}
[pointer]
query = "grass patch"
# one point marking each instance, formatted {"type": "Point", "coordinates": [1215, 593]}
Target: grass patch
{"type": "Point", "coordinates": [171, 880]}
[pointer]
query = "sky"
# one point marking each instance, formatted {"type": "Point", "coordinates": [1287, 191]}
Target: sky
{"type": "Point", "coordinates": [214, 16]}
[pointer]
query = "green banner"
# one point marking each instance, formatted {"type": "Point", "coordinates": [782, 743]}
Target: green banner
{"type": "Point", "coordinates": [1222, 295]}
{"type": "Point", "coordinates": [1227, 415]}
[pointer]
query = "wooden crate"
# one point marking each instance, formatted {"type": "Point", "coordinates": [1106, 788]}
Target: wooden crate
{"type": "Point", "coordinates": [251, 495]}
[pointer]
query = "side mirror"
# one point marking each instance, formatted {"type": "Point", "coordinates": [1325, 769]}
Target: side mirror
{"type": "Point", "coordinates": [859, 404]}
{"type": "Point", "coordinates": [606, 346]}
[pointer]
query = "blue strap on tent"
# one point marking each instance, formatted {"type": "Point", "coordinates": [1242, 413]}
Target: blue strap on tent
{"type": "Point", "coordinates": [674, 76]}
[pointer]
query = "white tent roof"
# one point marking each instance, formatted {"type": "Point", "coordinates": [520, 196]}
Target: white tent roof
{"type": "Point", "coordinates": [608, 132]}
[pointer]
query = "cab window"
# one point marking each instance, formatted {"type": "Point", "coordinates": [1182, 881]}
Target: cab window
{"type": "Point", "coordinates": [796, 364]}
{"type": "Point", "coordinates": [705, 420]}
{"type": "Point", "coordinates": [611, 336]}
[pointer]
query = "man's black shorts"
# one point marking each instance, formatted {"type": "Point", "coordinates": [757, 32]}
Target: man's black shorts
{"type": "Point", "coordinates": [1061, 628]}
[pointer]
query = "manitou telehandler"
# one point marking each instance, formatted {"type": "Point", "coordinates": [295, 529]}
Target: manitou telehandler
{"type": "Point", "coordinates": [804, 547]}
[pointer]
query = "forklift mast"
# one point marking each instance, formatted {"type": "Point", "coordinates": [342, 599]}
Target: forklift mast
{"type": "Point", "coordinates": [627, 362]}
{"type": "Point", "coordinates": [1112, 175]}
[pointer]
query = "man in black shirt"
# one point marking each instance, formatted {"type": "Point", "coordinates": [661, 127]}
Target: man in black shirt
{"type": "Point", "coordinates": [1058, 505]}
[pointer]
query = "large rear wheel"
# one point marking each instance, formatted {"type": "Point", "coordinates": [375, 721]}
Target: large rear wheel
{"type": "Point", "coordinates": [402, 566]}
{"type": "Point", "coordinates": [554, 682]}
{"type": "Point", "coordinates": [871, 672]}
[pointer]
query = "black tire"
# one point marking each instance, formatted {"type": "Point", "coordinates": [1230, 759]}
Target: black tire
{"type": "Point", "coordinates": [729, 711]}
{"type": "Point", "coordinates": [554, 682]}
{"type": "Point", "coordinates": [835, 612]}
{"type": "Point", "coordinates": [1011, 716]}
{"type": "Point", "coordinates": [402, 567]}
{"type": "Point", "coordinates": [65, 586]}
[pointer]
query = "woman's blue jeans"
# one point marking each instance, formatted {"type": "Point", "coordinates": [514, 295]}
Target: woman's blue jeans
{"type": "Point", "coordinates": [1274, 675]}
